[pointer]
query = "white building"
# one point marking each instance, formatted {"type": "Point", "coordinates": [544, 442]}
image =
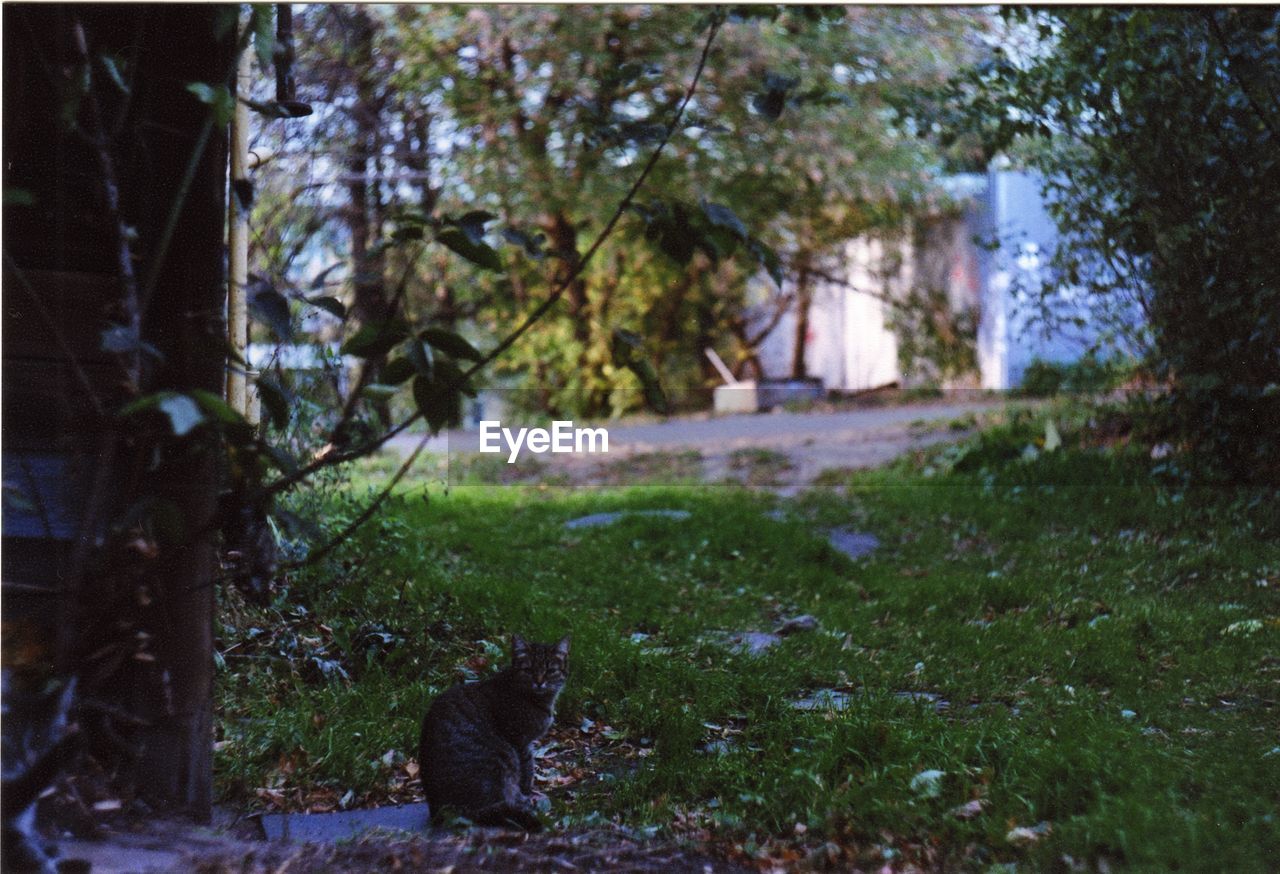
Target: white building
{"type": "Point", "coordinates": [985, 258]}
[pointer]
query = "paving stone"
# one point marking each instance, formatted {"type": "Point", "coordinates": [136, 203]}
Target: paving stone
{"type": "Point", "coordinates": [344, 824]}
{"type": "Point", "coordinates": [854, 544]}
{"type": "Point", "coordinates": [597, 519]}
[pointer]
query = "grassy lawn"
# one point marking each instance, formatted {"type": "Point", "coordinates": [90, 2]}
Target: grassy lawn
{"type": "Point", "coordinates": [1101, 655]}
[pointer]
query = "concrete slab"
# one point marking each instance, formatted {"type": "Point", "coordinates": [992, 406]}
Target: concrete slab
{"type": "Point", "coordinates": [345, 824]}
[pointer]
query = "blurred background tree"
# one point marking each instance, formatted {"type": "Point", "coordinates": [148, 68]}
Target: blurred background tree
{"type": "Point", "coordinates": [531, 122]}
{"type": "Point", "coordinates": [1156, 132]}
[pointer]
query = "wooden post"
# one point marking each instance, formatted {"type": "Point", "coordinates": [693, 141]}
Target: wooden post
{"type": "Point", "coordinates": [238, 241]}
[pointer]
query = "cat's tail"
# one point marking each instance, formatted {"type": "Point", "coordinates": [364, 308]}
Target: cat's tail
{"type": "Point", "coordinates": [505, 815]}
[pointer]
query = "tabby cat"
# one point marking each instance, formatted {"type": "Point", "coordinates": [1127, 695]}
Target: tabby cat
{"type": "Point", "coordinates": [476, 750]}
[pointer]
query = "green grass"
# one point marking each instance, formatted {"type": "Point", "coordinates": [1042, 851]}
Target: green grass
{"type": "Point", "coordinates": [1109, 648]}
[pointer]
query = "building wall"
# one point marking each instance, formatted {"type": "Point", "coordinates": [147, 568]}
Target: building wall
{"type": "Point", "coordinates": [991, 255]}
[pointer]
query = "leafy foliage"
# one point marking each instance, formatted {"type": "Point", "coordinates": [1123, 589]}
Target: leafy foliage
{"type": "Point", "coordinates": [526, 125]}
{"type": "Point", "coordinates": [1156, 131]}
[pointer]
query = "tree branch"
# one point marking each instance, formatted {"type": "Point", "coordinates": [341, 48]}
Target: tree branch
{"type": "Point", "coordinates": [1220, 37]}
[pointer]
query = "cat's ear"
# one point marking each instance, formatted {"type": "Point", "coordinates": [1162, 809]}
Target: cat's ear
{"type": "Point", "coordinates": [562, 648]}
{"type": "Point", "coordinates": [519, 646]}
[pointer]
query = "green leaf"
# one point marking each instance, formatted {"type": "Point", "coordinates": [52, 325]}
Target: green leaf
{"type": "Point", "coordinates": [437, 401]}
{"type": "Point", "coordinates": [480, 254]}
{"type": "Point", "coordinates": [723, 217]}
{"type": "Point", "coordinates": [323, 276]}
{"type": "Point", "coordinates": [272, 109]}
{"type": "Point", "coordinates": [283, 461]}
{"type": "Point", "coordinates": [1052, 439]}
{"type": "Point", "coordinates": [420, 356]}
{"type": "Point", "coordinates": [404, 233]}
{"type": "Point", "coordinates": [376, 338]}
{"type": "Point", "coordinates": [330, 305]}
{"type": "Point", "coordinates": [451, 344]}
{"type": "Point", "coordinates": [262, 20]}
{"type": "Point", "coordinates": [773, 99]}
{"type": "Point", "coordinates": [380, 391]}
{"type": "Point", "coordinates": [627, 350]}
{"type": "Point", "coordinates": [216, 407]}
{"type": "Point", "coordinates": [472, 224]}
{"type": "Point", "coordinates": [275, 399]}
{"type": "Point", "coordinates": [746, 12]}
{"type": "Point", "coordinates": [183, 412]}
{"type": "Point", "coordinates": [237, 429]}
{"type": "Point", "coordinates": [768, 259]}
{"type": "Point", "coordinates": [225, 20]}
{"type": "Point", "coordinates": [532, 244]}
{"type": "Point", "coordinates": [397, 371]}
{"type": "Point", "coordinates": [271, 308]}
{"type": "Point", "coordinates": [450, 374]}
{"type": "Point", "coordinates": [217, 97]}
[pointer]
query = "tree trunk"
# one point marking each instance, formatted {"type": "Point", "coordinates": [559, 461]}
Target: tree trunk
{"type": "Point", "coordinates": [370, 304]}
{"type": "Point", "coordinates": [804, 300]}
{"type": "Point", "coordinates": [186, 324]}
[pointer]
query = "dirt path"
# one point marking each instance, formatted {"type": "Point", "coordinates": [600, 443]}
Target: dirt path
{"type": "Point", "coordinates": [788, 450]}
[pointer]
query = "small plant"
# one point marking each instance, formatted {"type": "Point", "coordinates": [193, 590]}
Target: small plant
{"type": "Point", "coordinates": [760, 466]}
{"type": "Point", "coordinates": [1086, 375]}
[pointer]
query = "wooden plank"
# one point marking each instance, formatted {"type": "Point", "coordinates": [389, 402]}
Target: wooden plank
{"type": "Point", "coordinates": [48, 313]}
{"type": "Point", "coordinates": [43, 496]}
{"type": "Point", "coordinates": [46, 406]}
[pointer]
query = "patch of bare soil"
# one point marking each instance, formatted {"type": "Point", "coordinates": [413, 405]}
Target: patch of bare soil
{"type": "Point", "coordinates": [473, 850]}
{"type": "Point", "coordinates": [161, 846]}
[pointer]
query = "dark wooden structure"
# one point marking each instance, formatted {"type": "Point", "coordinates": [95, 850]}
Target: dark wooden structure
{"type": "Point", "coordinates": [72, 469]}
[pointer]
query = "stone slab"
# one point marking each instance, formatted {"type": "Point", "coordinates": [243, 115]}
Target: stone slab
{"type": "Point", "coordinates": [853, 544]}
{"type": "Point", "coordinates": [597, 519]}
{"type": "Point", "coordinates": [344, 824]}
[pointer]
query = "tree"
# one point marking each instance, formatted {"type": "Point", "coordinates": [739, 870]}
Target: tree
{"type": "Point", "coordinates": [539, 116]}
{"type": "Point", "coordinates": [1156, 131]}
